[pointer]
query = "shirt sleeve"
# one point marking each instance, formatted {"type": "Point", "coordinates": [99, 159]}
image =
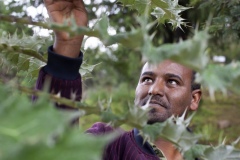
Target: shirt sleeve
{"type": "Point", "coordinates": [61, 76]}
{"type": "Point", "coordinates": [100, 128]}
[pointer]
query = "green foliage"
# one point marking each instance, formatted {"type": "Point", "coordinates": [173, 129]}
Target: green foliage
{"type": "Point", "coordinates": [223, 152]}
{"type": "Point", "coordinates": [30, 129]}
{"type": "Point", "coordinates": [207, 120]}
{"type": "Point", "coordinates": [227, 152]}
{"type": "Point", "coordinates": [27, 54]}
{"type": "Point", "coordinates": [192, 52]}
{"type": "Point", "coordinates": [224, 26]}
{"type": "Point", "coordinates": [174, 130]}
{"type": "Point", "coordinates": [23, 130]}
{"type": "Point", "coordinates": [163, 10]}
{"type": "Point", "coordinates": [13, 7]}
{"type": "Point", "coordinates": [26, 134]}
{"type": "Point", "coordinates": [22, 54]}
{"type": "Point", "coordinates": [221, 77]}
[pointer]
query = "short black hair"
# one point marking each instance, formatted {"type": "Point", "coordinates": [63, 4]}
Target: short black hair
{"type": "Point", "coordinates": [195, 85]}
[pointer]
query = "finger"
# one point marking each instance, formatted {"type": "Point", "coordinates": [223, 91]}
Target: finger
{"type": "Point", "coordinates": [48, 2]}
{"type": "Point", "coordinates": [79, 3]}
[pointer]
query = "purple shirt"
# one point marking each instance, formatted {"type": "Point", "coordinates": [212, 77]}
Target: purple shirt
{"type": "Point", "coordinates": [128, 146]}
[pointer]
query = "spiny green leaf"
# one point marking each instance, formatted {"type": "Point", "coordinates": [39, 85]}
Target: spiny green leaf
{"type": "Point", "coordinates": [30, 129]}
{"type": "Point", "coordinates": [28, 45]}
{"type": "Point", "coordinates": [163, 10]}
{"type": "Point", "coordinates": [22, 53]}
{"type": "Point", "coordinates": [137, 116]}
{"type": "Point", "coordinates": [132, 39]}
{"type": "Point", "coordinates": [72, 144]}
{"type": "Point", "coordinates": [220, 77]}
{"type": "Point", "coordinates": [25, 121]}
{"type": "Point", "coordinates": [101, 26]}
{"type": "Point", "coordinates": [191, 53]}
{"type": "Point", "coordinates": [196, 151]}
{"type": "Point", "coordinates": [224, 152]}
{"type": "Point", "coordinates": [25, 65]}
{"type": "Point", "coordinates": [109, 116]}
{"type": "Point", "coordinates": [177, 133]}
{"type": "Point", "coordinates": [13, 58]}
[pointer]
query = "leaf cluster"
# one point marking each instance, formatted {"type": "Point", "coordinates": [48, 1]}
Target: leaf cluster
{"type": "Point", "coordinates": [30, 129]}
{"type": "Point", "coordinates": [163, 10]}
{"type": "Point", "coordinates": [23, 125]}
{"type": "Point", "coordinates": [22, 55]}
{"type": "Point", "coordinates": [26, 134]}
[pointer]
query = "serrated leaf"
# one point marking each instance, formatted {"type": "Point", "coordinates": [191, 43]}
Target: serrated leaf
{"type": "Point", "coordinates": [24, 121]}
{"type": "Point", "coordinates": [222, 152]}
{"type": "Point", "coordinates": [24, 66]}
{"type": "Point", "coordinates": [176, 133]}
{"type": "Point", "coordinates": [109, 116]}
{"type": "Point", "coordinates": [86, 68]}
{"type": "Point", "coordinates": [132, 39]}
{"type": "Point", "coordinates": [196, 151]}
{"type": "Point", "coordinates": [101, 27]}
{"type": "Point", "coordinates": [29, 129]}
{"type": "Point", "coordinates": [163, 10]}
{"type": "Point", "coordinates": [220, 77]}
{"type": "Point", "coordinates": [70, 145]}
{"type": "Point", "coordinates": [18, 50]}
{"type": "Point", "coordinates": [191, 53]}
{"type": "Point", "coordinates": [14, 58]}
{"type": "Point", "coordinates": [127, 2]}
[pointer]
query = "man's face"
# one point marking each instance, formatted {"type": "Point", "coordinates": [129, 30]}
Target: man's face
{"type": "Point", "coordinates": [167, 88]}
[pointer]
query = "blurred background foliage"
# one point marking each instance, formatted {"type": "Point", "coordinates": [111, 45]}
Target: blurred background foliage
{"type": "Point", "coordinates": [215, 119]}
{"type": "Point", "coordinates": [116, 74]}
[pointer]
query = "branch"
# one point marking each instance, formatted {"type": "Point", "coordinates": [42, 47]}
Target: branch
{"type": "Point", "coordinates": [19, 50]}
{"type": "Point", "coordinates": [61, 100]}
{"type": "Point", "coordinates": [26, 20]}
{"type": "Point", "coordinates": [72, 30]}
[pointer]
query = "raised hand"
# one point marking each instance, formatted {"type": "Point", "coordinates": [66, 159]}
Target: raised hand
{"type": "Point", "coordinates": [60, 10]}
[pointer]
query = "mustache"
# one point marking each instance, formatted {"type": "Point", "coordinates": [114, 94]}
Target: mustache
{"type": "Point", "coordinates": [155, 99]}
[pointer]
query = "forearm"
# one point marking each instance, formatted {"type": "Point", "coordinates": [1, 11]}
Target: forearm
{"type": "Point", "coordinates": [69, 48]}
{"type": "Point", "coordinates": [63, 75]}
{"type": "Point", "coordinates": [64, 60]}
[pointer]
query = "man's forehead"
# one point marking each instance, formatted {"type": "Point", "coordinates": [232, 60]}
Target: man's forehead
{"type": "Point", "coordinates": [166, 66]}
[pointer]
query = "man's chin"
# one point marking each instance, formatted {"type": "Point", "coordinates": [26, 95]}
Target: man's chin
{"type": "Point", "coordinates": [155, 116]}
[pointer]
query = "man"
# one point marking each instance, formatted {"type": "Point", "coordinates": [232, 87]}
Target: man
{"type": "Point", "coordinates": [168, 87]}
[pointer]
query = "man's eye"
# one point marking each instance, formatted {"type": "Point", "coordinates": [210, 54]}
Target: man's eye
{"type": "Point", "coordinates": [147, 80]}
{"type": "Point", "coordinates": [173, 82]}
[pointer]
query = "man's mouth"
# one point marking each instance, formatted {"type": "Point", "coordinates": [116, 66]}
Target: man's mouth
{"type": "Point", "coordinates": [156, 103]}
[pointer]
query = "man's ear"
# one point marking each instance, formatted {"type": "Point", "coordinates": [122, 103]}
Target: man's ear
{"type": "Point", "coordinates": [196, 96]}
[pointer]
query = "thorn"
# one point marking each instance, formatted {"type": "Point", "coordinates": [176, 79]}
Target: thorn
{"type": "Point", "coordinates": [236, 141]}
{"type": "Point", "coordinates": [73, 95]}
{"type": "Point", "coordinates": [58, 95]}
{"type": "Point", "coordinates": [224, 141]}
{"type": "Point", "coordinates": [211, 92]}
{"type": "Point", "coordinates": [188, 120]}
{"type": "Point", "coordinates": [184, 114]}
{"type": "Point", "coordinates": [147, 104]}
{"type": "Point", "coordinates": [145, 138]}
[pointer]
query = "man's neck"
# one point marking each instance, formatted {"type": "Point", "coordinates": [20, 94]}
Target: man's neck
{"type": "Point", "coordinates": [168, 149]}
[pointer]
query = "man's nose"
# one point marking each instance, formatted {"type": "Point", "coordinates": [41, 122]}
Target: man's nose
{"type": "Point", "coordinates": [157, 88]}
